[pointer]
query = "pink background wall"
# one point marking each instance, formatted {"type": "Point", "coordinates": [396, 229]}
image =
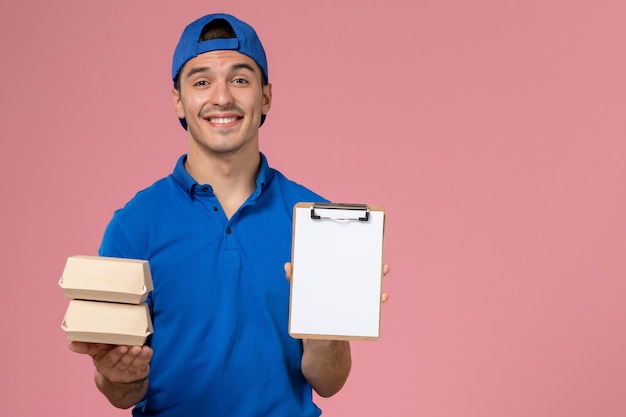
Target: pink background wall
{"type": "Point", "coordinates": [493, 131]}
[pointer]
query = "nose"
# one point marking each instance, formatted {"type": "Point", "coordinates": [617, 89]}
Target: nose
{"type": "Point", "coordinates": [221, 94]}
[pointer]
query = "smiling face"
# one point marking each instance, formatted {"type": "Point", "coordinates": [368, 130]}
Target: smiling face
{"type": "Point", "coordinates": [222, 98]}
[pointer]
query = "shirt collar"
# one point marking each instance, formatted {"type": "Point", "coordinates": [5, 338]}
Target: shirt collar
{"type": "Point", "coordinates": [189, 185]}
{"type": "Point", "coordinates": [265, 174]}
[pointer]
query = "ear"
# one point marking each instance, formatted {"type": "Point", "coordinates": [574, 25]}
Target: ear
{"type": "Point", "coordinates": [178, 104]}
{"type": "Point", "coordinates": [267, 97]}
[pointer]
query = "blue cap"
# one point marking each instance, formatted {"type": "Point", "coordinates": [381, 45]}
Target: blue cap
{"type": "Point", "coordinates": [245, 42]}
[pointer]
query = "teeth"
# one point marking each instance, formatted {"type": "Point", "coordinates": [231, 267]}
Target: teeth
{"type": "Point", "coordinates": [223, 120]}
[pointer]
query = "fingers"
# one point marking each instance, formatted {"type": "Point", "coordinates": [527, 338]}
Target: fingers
{"type": "Point", "coordinates": [117, 363]}
{"type": "Point", "coordinates": [78, 347]}
{"type": "Point", "coordinates": [124, 363]}
{"type": "Point", "coordinates": [288, 270]}
{"type": "Point", "coordinates": [385, 296]}
{"type": "Point", "coordinates": [90, 349]}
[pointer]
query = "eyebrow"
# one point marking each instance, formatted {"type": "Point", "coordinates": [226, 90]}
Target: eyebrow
{"type": "Point", "coordinates": [234, 67]}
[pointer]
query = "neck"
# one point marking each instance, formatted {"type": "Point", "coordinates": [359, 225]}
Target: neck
{"type": "Point", "coordinates": [232, 176]}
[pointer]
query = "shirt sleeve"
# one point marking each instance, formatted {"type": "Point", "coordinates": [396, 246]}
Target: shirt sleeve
{"type": "Point", "coordinates": [115, 242]}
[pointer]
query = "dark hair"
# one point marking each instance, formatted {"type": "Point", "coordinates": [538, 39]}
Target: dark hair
{"type": "Point", "coordinates": [215, 29]}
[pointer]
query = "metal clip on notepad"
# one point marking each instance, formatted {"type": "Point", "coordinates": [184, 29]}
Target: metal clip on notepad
{"type": "Point", "coordinates": [344, 212]}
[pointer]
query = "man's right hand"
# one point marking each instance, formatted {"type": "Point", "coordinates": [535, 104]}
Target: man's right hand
{"type": "Point", "coordinates": [121, 371]}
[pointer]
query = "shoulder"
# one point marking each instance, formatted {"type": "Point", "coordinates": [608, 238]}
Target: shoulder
{"type": "Point", "coordinates": [294, 190]}
{"type": "Point", "coordinates": [150, 198]}
{"type": "Point", "coordinates": [167, 190]}
{"type": "Point", "coordinates": [131, 226]}
{"type": "Point", "coordinates": [275, 181]}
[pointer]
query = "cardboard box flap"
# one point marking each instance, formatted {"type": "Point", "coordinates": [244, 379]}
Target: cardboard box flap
{"type": "Point", "coordinates": [102, 278]}
{"type": "Point", "coordinates": [111, 323]}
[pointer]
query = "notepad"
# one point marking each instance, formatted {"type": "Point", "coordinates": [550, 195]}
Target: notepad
{"type": "Point", "coordinates": [337, 259]}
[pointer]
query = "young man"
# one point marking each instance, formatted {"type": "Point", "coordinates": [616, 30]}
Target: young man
{"type": "Point", "coordinates": [217, 233]}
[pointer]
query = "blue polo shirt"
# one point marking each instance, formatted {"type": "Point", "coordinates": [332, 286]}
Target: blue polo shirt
{"type": "Point", "coordinates": [220, 301]}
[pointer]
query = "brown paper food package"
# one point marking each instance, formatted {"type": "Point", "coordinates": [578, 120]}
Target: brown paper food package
{"type": "Point", "coordinates": [111, 323]}
{"type": "Point", "coordinates": [101, 278]}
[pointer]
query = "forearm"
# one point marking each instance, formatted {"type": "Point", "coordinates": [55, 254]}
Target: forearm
{"type": "Point", "coordinates": [326, 365]}
{"type": "Point", "coordinates": [122, 394]}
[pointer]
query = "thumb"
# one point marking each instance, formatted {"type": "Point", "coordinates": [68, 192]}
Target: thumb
{"type": "Point", "coordinates": [288, 270]}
